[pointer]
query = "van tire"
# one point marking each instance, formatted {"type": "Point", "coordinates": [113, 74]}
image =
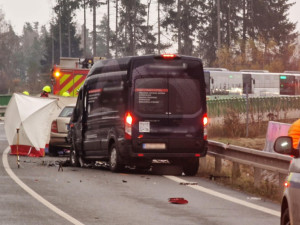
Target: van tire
{"type": "Point", "coordinates": [115, 162]}
{"type": "Point", "coordinates": [285, 217]}
{"type": "Point", "coordinates": [74, 158]}
{"type": "Point", "coordinates": [190, 166]}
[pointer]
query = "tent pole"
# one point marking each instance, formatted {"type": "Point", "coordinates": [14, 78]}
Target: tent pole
{"type": "Point", "coordinates": [18, 159]}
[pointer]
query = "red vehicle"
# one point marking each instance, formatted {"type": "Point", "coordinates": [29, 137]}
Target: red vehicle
{"type": "Point", "coordinates": [70, 74]}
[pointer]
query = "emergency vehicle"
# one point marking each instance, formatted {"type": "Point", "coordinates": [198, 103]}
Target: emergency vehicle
{"type": "Point", "coordinates": [70, 74]}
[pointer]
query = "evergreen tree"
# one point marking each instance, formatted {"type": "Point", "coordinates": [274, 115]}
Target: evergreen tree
{"type": "Point", "coordinates": [101, 38]}
{"type": "Point", "coordinates": [10, 60]}
{"type": "Point", "coordinates": [133, 32]}
{"type": "Point", "coordinates": [271, 23]}
{"type": "Point", "coordinates": [32, 48]}
{"type": "Point", "coordinates": [265, 23]}
{"type": "Point", "coordinates": [189, 18]}
{"type": "Point", "coordinates": [64, 29]}
{"type": "Point", "coordinates": [207, 35]}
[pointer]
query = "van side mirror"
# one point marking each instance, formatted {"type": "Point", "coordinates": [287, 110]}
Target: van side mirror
{"type": "Point", "coordinates": [284, 145]}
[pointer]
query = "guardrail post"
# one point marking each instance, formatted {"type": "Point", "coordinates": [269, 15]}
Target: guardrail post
{"type": "Point", "coordinates": [257, 176]}
{"type": "Point", "coordinates": [235, 171]}
{"type": "Point", "coordinates": [218, 164]}
{"type": "Point", "coordinates": [202, 162]}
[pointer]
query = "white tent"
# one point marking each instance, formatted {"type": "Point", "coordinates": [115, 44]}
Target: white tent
{"type": "Point", "coordinates": [33, 117]}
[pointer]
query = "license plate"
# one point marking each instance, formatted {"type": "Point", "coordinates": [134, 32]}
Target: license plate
{"type": "Point", "coordinates": [154, 146]}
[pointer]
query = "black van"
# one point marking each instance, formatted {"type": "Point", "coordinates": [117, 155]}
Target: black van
{"type": "Point", "coordinates": [135, 109]}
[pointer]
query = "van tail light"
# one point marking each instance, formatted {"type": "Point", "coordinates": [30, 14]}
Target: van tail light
{"type": "Point", "coordinates": [54, 127]}
{"type": "Point", "coordinates": [128, 125]}
{"type": "Point", "coordinates": [168, 56]}
{"type": "Point", "coordinates": [205, 122]}
{"type": "Point", "coordinates": [286, 184]}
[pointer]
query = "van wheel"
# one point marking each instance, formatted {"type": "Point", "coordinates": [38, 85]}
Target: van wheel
{"type": "Point", "coordinates": [74, 158]}
{"type": "Point", "coordinates": [285, 217]}
{"type": "Point", "coordinates": [190, 166]}
{"type": "Point", "coordinates": [115, 161]}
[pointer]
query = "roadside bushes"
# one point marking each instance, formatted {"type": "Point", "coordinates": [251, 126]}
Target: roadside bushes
{"type": "Point", "coordinates": [232, 125]}
{"type": "Point", "coordinates": [228, 117]}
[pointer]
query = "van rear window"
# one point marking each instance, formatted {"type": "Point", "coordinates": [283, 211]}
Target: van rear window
{"type": "Point", "coordinates": [151, 95]}
{"type": "Point", "coordinates": [167, 95]}
{"type": "Point", "coordinates": [184, 96]}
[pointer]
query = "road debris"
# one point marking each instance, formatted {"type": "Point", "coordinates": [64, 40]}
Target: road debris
{"type": "Point", "coordinates": [60, 167]}
{"type": "Point", "coordinates": [28, 161]}
{"type": "Point", "coordinates": [188, 183]}
{"type": "Point", "coordinates": [178, 201]}
{"type": "Point", "coordinates": [254, 198]}
{"type": "Point", "coordinates": [214, 177]}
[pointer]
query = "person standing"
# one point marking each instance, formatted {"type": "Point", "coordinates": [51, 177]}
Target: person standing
{"type": "Point", "coordinates": [66, 94]}
{"type": "Point", "coordinates": [46, 91]}
{"type": "Point", "coordinates": [294, 133]}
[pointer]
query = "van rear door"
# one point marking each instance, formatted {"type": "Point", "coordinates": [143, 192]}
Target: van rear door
{"type": "Point", "coordinates": [168, 107]}
{"type": "Point", "coordinates": [151, 110]}
{"type": "Point", "coordinates": [185, 114]}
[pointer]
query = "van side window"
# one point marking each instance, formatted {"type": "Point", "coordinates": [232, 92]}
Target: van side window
{"type": "Point", "coordinates": [94, 93]}
{"type": "Point", "coordinates": [112, 96]}
{"type": "Point", "coordinates": [106, 96]}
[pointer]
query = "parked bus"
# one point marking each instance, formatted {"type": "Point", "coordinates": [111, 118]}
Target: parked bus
{"type": "Point", "coordinates": [290, 84]}
{"type": "Point", "coordinates": [256, 83]}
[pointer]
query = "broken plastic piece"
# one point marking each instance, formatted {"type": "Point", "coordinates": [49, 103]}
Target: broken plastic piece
{"type": "Point", "coordinates": [178, 201]}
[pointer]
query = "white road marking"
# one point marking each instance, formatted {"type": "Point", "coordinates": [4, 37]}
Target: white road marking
{"type": "Point", "coordinates": [226, 197]}
{"type": "Point", "coordinates": [33, 193]}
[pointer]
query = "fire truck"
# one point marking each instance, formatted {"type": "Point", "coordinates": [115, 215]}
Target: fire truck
{"type": "Point", "coordinates": [70, 74]}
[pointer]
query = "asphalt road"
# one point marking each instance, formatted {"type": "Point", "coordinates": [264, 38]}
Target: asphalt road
{"type": "Point", "coordinates": [90, 196]}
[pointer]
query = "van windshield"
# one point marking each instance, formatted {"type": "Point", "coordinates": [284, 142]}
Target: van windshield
{"type": "Point", "coordinates": [167, 95]}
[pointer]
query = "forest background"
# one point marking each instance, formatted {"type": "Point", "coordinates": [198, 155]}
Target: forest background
{"type": "Point", "coordinates": [233, 34]}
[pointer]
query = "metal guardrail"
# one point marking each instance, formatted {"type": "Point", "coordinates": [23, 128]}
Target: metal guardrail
{"type": "Point", "coordinates": [2, 110]}
{"type": "Point", "coordinates": [259, 160]}
{"type": "Point", "coordinates": [4, 99]}
{"type": "Point", "coordinates": [258, 105]}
